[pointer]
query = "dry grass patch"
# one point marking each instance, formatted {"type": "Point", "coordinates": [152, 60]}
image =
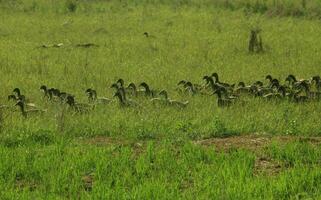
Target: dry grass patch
{"type": "Point", "coordinates": [253, 142]}
{"type": "Point", "coordinates": [267, 166]}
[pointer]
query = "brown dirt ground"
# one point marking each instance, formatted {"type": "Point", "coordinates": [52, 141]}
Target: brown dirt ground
{"type": "Point", "coordinates": [103, 141]}
{"type": "Point", "coordinates": [22, 184]}
{"type": "Point", "coordinates": [88, 181]}
{"type": "Point", "coordinates": [253, 142]}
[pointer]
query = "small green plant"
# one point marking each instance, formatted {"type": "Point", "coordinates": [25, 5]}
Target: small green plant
{"type": "Point", "coordinates": [255, 42]}
{"type": "Point", "coordinates": [1, 120]}
{"type": "Point", "coordinates": [71, 6]}
{"type": "Point", "coordinates": [304, 4]}
{"type": "Point", "coordinates": [217, 128]}
{"type": "Point", "coordinates": [292, 128]}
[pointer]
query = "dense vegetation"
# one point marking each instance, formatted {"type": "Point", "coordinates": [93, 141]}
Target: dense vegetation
{"type": "Point", "coordinates": [151, 152]}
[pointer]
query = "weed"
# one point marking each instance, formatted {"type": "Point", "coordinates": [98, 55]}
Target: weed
{"type": "Point", "coordinates": [255, 41]}
{"type": "Point", "coordinates": [71, 5]}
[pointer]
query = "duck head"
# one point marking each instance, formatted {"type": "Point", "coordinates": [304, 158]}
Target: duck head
{"type": "Point", "coordinates": [44, 88]}
{"type": "Point", "coordinates": [290, 78]}
{"type": "Point", "coordinates": [215, 75]}
{"type": "Point", "coordinates": [16, 91]}
{"type": "Point", "coordinates": [145, 85]}
{"type": "Point", "coordinates": [241, 84]}
{"type": "Point", "coordinates": [132, 86]}
{"type": "Point", "coordinates": [120, 82]}
{"type": "Point", "coordinates": [188, 84]}
{"type": "Point", "coordinates": [182, 82]}
{"type": "Point", "coordinates": [258, 83]}
{"type": "Point", "coordinates": [88, 91]}
{"type": "Point", "coordinates": [269, 77]}
{"type": "Point", "coordinates": [275, 83]}
{"type": "Point", "coordinates": [70, 100]}
{"type": "Point", "coordinates": [316, 79]}
{"type": "Point", "coordinates": [164, 94]}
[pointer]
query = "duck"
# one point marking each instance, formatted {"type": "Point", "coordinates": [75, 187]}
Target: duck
{"type": "Point", "coordinates": [123, 101]}
{"type": "Point", "coordinates": [210, 82]}
{"type": "Point", "coordinates": [258, 83]}
{"type": "Point", "coordinates": [115, 86]}
{"type": "Point", "coordinates": [242, 89]}
{"type": "Point", "coordinates": [120, 82]}
{"type": "Point", "coordinates": [92, 97]}
{"type": "Point", "coordinates": [26, 113]}
{"type": "Point", "coordinates": [269, 78]}
{"type": "Point", "coordinates": [223, 102]}
{"type": "Point", "coordinates": [16, 92]}
{"type": "Point", "coordinates": [317, 82]}
{"type": "Point", "coordinates": [78, 107]}
{"type": "Point", "coordinates": [148, 91]}
{"type": "Point", "coordinates": [182, 82]}
{"type": "Point", "coordinates": [258, 90]}
{"type": "Point", "coordinates": [194, 88]}
{"type": "Point", "coordinates": [63, 97]}
{"type": "Point", "coordinates": [228, 95]}
{"type": "Point", "coordinates": [132, 89]}
{"type": "Point", "coordinates": [310, 94]}
{"type": "Point", "coordinates": [189, 87]}
{"type": "Point", "coordinates": [22, 98]}
{"type": "Point", "coordinates": [147, 35]}
{"type": "Point", "coordinates": [280, 94]}
{"type": "Point", "coordinates": [53, 94]}
{"type": "Point", "coordinates": [293, 82]}
{"type": "Point", "coordinates": [19, 96]}
{"type": "Point", "coordinates": [164, 99]}
{"type": "Point", "coordinates": [217, 81]}
{"type": "Point", "coordinates": [44, 89]}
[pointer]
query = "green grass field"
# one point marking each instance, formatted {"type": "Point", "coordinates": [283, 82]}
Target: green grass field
{"type": "Point", "coordinates": [255, 149]}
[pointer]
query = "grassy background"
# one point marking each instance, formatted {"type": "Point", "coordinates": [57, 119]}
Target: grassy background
{"type": "Point", "coordinates": [190, 39]}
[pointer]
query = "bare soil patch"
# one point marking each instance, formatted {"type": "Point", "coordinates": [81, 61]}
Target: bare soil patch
{"type": "Point", "coordinates": [267, 166]}
{"type": "Point", "coordinates": [22, 184]}
{"type": "Point", "coordinates": [253, 142]}
{"type": "Point", "coordinates": [88, 181]}
{"type": "Point", "coordinates": [104, 141]}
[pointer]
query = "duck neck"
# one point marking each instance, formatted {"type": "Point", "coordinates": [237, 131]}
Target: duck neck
{"type": "Point", "coordinates": [282, 90]}
{"type": "Point", "coordinates": [147, 90]}
{"type": "Point", "coordinates": [212, 84]}
{"type": "Point", "coordinates": [164, 94]}
{"type": "Point", "coordinates": [123, 94]}
{"type": "Point", "coordinates": [216, 78]}
{"type": "Point", "coordinates": [121, 99]}
{"type": "Point", "coordinates": [94, 95]}
{"type": "Point", "coordinates": [91, 97]}
{"type": "Point", "coordinates": [134, 89]}
{"type": "Point", "coordinates": [219, 94]}
{"type": "Point", "coordinates": [22, 109]}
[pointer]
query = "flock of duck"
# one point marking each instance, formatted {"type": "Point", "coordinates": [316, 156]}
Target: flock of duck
{"type": "Point", "coordinates": [293, 89]}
